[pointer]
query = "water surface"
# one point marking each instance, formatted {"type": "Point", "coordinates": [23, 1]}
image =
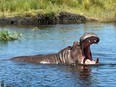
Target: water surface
{"type": "Point", "coordinates": [51, 39]}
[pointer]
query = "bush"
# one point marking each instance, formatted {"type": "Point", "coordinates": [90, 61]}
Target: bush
{"type": "Point", "coordinates": [6, 35]}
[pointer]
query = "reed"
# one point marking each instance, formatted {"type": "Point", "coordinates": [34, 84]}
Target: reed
{"type": "Point", "coordinates": [105, 10]}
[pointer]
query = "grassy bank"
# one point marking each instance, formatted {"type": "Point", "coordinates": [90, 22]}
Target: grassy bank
{"type": "Point", "coordinates": [104, 10]}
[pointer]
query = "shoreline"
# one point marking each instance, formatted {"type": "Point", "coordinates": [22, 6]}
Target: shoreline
{"type": "Point", "coordinates": [47, 19]}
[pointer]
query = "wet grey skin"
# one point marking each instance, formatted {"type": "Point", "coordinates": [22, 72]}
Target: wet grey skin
{"type": "Point", "coordinates": [78, 53]}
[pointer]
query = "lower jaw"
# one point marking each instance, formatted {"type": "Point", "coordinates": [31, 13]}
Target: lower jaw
{"type": "Point", "coordinates": [88, 62]}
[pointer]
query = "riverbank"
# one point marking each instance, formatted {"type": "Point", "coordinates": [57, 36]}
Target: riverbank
{"type": "Point", "coordinates": [45, 19]}
{"type": "Point", "coordinates": [56, 11]}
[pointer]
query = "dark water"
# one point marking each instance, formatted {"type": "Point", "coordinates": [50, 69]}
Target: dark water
{"type": "Point", "coordinates": [51, 39]}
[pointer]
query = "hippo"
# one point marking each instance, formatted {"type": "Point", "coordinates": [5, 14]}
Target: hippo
{"type": "Point", "coordinates": [78, 53]}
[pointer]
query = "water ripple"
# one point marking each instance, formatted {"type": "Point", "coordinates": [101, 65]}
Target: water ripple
{"type": "Point", "coordinates": [51, 39]}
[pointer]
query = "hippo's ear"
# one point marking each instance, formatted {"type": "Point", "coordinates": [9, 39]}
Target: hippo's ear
{"type": "Point", "coordinates": [75, 43]}
{"type": "Point", "coordinates": [69, 47]}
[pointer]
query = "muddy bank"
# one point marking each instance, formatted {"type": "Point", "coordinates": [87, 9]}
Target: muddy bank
{"type": "Point", "coordinates": [45, 19]}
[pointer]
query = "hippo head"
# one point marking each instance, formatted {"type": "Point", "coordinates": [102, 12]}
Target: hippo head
{"type": "Point", "coordinates": [85, 41]}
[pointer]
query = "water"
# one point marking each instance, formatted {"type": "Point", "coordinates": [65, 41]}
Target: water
{"type": "Point", "coordinates": [51, 39]}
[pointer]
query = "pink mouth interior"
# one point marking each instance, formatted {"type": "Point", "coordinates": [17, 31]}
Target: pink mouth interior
{"type": "Point", "coordinates": [87, 54]}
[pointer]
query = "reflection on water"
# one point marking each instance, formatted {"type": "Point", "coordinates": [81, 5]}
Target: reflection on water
{"type": "Point", "coordinates": [51, 39]}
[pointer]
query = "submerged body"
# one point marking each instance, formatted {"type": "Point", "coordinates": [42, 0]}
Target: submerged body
{"type": "Point", "coordinates": [78, 53]}
{"type": "Point", "coordinates": [62, 57]}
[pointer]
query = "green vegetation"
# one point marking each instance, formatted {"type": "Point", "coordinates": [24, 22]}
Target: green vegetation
{"type": "Point", "coordinates": [6, 35]}
{"type": "Point", "coordinates": [104, 10]}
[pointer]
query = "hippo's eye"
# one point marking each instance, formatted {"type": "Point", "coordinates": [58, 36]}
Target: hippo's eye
{"type": "Point", "coordinates": [89, 41]}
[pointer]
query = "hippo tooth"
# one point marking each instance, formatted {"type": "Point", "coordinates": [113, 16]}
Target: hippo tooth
{"type": "Point", "coordinates": [94, 40]}
{"type": "Point", "coordinates": [97, 60]}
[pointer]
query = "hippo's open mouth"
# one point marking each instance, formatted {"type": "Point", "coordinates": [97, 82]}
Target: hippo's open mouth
{"type": "Point", "coordinates": [85, 42]}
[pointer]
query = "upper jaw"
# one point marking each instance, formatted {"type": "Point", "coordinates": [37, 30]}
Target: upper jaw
{"type": "Point", "coordinates": [85, 41]}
